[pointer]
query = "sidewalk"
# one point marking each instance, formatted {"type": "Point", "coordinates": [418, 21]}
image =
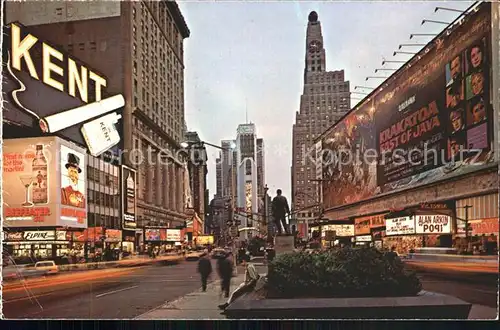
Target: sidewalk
{"type": "Point", "coordinates": [200, 305]}
{"type": "Point", "coordinates": [196, 305]}
{"type": "Point", "coordinates": [480, 312]}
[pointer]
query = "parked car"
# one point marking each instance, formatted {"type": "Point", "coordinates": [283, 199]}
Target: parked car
{"type": "Point", "coordinates": [48, 267]}
{"type": "Point", "coordinates": [14, 272]}
{"type": "Point", "coordinates": [193, 255]}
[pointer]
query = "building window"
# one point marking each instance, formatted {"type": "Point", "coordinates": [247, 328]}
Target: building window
{"type": "Point", "coordinates": [59, 11]}
{"type": "Point", "coordinates": [93, 45]}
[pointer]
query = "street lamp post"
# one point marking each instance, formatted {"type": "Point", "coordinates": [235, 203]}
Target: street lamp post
{"type": "Point", "coordinates": [266, 218]}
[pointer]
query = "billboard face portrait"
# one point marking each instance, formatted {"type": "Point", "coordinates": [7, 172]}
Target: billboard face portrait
{"type": "Point", "coordinates": [72, 178]}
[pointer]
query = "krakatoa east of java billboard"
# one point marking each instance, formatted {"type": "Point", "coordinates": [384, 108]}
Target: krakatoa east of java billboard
{"type": "Point", "coordinates": [436, 113]}
{"type": "Point", "coordinates": [43, 183]}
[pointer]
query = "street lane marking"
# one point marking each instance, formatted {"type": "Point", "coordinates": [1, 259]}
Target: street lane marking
{"type": "Point", "coordinates": [115, 291]}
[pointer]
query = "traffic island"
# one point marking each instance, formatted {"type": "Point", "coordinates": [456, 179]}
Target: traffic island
{"type": "Point", "coordinates": [344, 284]}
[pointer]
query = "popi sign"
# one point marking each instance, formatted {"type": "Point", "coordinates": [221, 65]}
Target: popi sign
{"type": "Point", "coordinates": [433, 224]}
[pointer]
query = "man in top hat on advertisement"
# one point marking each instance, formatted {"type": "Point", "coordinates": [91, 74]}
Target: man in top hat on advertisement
{"type": "Point", "coordinates": [70, 194]}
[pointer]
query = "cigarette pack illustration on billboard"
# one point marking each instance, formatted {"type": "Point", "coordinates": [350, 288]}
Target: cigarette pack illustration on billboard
{"type": "Point", "coordinates": [101, 134]}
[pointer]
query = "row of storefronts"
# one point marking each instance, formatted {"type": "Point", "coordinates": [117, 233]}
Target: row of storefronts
{"type": "Point", "coordinates": [427, 225]}
{"type": "Point", "coordinates": [56, 243]}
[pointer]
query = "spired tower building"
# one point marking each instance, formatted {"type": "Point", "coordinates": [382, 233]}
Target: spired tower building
{"type": "Point", "coordinates": [325, 99]}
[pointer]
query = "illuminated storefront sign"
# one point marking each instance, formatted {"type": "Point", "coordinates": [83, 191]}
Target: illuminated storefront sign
{"type": "Point", "coordinates": [47, 235]}
{"type": "Point", "coordinates": [364, 238]}
{"type": "Point", "coordinates": [433, 224]}
{"type": "Point", "coordinates": [75, 77]}
{"type": "Point", "coordinates": [129, 201]}
{"type": "Point", "coordinates": [205, 240]}
{"type": "Point", "coordinates": [152, 234]}
{"type": "Point", "coordinates": [173, 235]}
{"type": "Point", "coordinates": [340, 230]}
{"type": "Point", "coordinates": [248, 197]}
{"type": "Point", "coordinates": [43, 183]}
{"type": "Point", "coordinates": [113, 235]}
{"type": "Point", "coordinates": [58, 92]}
{"type": "Point", "coordinates": [63, 235]}
{"type": "Point", "coordinates": [400, 226]}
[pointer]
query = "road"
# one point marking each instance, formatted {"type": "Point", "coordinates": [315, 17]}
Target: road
{"type": "Point", "coordinates": [472, 292]}
{"type": "Point", "coordinates": [102, 294]}
{"type": "Point", "coordinates": [129, 292]}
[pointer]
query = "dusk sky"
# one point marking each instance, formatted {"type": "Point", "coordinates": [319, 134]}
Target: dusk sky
{"type": "Point", "coordinates": [250, 55]}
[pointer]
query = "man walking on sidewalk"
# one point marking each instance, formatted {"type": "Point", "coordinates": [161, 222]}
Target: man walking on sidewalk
{"type": "Point", "coordinates": [225, 270]}
{"type": "Point", "coordinates": [205, 269]}
{"type": "Point", "coordinates": [251, 278]}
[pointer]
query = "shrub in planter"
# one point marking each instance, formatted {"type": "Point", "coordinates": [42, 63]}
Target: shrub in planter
{"type": "Point", "coordinates": [347, 272]}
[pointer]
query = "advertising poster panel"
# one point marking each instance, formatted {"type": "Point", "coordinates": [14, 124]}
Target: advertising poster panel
{"type": "Point", "coordinates": [152, 234]}
{"type": "Point", "coordinates": [163, 235]}
{"type": "Point", "coordinates": [319, 160]}
{"type": "Point", "coordinates": [173, 235]}
{"type": "Point", "coordinates": [432, 121]}
{"type": "Point", "coordinates": [400, 226]}
{"type": "Point", "coordinates": [346, 179]}
{"type": "Point", "coordinates": [113, 235]}
{"type": "Point", "coordinates": [205, 240]}
{"type": "Point", "coordinates": [340, 230]}
{"type": "Point", "coordinates": [129, 198]}
{"type": "Point", "coordinates": [30, 182]}
{"type": "Point", "coordinates": [73, 192]}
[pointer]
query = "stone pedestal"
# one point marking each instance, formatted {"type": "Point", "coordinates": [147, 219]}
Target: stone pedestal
{"type": "Point", "coordinates": [284, 244]}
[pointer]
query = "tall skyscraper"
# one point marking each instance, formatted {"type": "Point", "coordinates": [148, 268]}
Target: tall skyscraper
{"type": "Point", "coordinates": [247, 202]}
{"type": "Point", "coordinates": [218, 178]}
{"type": "Point", "coordinates": [325, 99]}
{"type": "Point", "coordinates": [139, 46]}
{"type": "Point", "coordinates": [261, 169]}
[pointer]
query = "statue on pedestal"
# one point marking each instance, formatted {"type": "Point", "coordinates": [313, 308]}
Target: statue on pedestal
{"type": "Point", "coordinates": [280, 210]}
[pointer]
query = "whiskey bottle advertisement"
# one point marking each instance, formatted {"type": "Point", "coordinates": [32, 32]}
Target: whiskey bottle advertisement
{"type": "Point", "coordinates": [130, 194]}
{"type": "Point", "coordinates": [39, 170]}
